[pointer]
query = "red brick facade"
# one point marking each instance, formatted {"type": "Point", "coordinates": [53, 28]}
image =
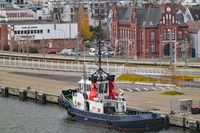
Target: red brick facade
{"type": "Point", "coordinates": [150, 37]}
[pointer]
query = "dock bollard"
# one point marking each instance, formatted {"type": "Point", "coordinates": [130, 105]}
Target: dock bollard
{"type": "Point", "coordinates": [22, 95]}
{"type": "Point", "coordinates": [4, 91]}
{"type": "Point", "coordinates": [42, 98]}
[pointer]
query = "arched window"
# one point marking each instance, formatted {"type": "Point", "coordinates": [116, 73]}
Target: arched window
{"type": "Point", "coordinates": [173, 34]}
{"type": "Point", "coordinates": [152, 36]}
{"type": "Point", "coordinates": [164, 34]}
{"type": "Point", "coordinates": [172, 19]}
{"type": "Point", "coordinates": [152, 41]}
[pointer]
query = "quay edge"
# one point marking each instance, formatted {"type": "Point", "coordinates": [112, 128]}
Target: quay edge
{"type": "Point", "coordinates": [184, 121]}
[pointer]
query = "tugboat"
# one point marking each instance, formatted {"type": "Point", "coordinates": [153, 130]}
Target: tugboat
{"type": "Point", "coordinates": [98, 102]}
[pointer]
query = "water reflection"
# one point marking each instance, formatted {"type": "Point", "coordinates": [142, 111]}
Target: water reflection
{"type": "Point", "coordinates": [29, 117]}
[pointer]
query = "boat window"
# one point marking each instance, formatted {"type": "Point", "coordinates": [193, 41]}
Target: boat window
{"type": "Point", "coordinates": [88, 87]}
{"type": "Point", "coordinates": [103, 87]}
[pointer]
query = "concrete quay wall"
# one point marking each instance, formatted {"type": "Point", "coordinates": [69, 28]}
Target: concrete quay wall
{"type": "Point", "coordinates": [185, 120]}
{"type": "Point", "coordinates": [31, 94]}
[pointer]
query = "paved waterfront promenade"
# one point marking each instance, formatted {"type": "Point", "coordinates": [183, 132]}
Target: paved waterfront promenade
{"type": "Point", "coordinates": [150, 100]}
{"type": "Point", "coordinates": [53, 83]}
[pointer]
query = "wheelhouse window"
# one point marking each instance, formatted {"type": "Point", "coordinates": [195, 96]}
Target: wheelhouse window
{"type": "Point", "coordinates": [103, 87]}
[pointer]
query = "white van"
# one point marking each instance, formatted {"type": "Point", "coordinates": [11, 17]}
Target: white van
{"type": "Point", "coordinates": [92, 52]}
{"type": "Point", "coordinates": [65, 51]}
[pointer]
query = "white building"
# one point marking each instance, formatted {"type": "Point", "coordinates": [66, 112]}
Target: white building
{"type": "Point", "coordinates": [38, 31]}
{"type": "Point", "coordinates": [194, 29]}
{"type": "Point", "coordinates": [41, 34]}
{"type": "Point", "coordinates": [191, 2]}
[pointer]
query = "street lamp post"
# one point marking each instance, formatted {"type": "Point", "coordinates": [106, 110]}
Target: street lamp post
{"type": "Point", "coordinates": [160, 48]}
{"type": "Point", "coordinates": [77, 48]}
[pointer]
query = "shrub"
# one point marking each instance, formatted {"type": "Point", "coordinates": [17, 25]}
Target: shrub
{"type": "Point", "coordinates": [33, 49]}
{"type": "Point", "coordinates": [172, 93]}
{"type": "Point", "coordinates": [6, 47]}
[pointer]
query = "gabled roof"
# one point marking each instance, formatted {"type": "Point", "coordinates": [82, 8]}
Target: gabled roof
{"type": "Point", "coordinates": [147, 17]}
{"type": "Point", "coordinates": [180, 19]}
{"type": "Point", "coordinates": [193, 26]}
{"type": "Point", "coordinates": [124, 13]}
{"type": "Point", "coordinates": [7, 5]}
{"type": "Point", "coordinates": [195, 12]}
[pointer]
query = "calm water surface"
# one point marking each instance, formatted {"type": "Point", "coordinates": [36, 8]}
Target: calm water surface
{"type": "Point", "coordinates": [28, 117]}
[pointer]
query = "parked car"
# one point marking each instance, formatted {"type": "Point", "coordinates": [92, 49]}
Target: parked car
{"type": "Point", "coordinates": [75, 53]}
{"type": "Point", "coordinates": [52, 51]}
{"type": "Point", "coordinates": [107, 52]}
{"type": "Point", "coordinates": [69, 52]}
{"type": "Point", "coordinates": [92, 52]}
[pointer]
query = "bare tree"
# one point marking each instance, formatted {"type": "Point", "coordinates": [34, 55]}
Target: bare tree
{"type": "Point", "coordinates": [58, 8]}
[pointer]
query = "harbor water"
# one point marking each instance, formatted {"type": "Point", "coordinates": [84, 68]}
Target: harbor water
{"type": "Point", "coordinates": [28, 117]}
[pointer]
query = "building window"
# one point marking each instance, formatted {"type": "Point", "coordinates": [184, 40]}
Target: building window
{"type": "Point", "coordinates": [120, 33]}
{"type": "Point", "coordinates": [72, 17]}
{"type": "Point", "coordinates": [72, 10]}
{"type": "Point", "coordinates": [168, 34]}
{"type": "Point", "coordinates": [143, 42]}
{"type": "Point", "coordinates": [152, 36]}
{"type": "Point", "coordinates": [180, 34]}
{"type": "Point", "coordinates": [133, 34]}
{"type": "Point", "coordinates": [173, 34]}
{"type": "Point", "coordinates": [163, 20]}
{"type": "Point", "coordinates": [172, 19]}
{"type": "Point", "coordinates": [152, 41]}
{"type": "Point", "coordinates": [152, 47]}
{"type": "Point", "coordinates": [164, 34]}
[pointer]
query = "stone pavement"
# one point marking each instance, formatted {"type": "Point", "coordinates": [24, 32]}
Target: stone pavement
{"type": "Point", "coordinates": [149, 100]}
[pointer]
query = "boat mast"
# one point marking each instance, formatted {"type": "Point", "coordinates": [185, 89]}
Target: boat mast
{"type": "Point", "coordinates": [99, 54]}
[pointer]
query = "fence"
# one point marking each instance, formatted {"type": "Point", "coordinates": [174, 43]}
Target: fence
{"type": "Point", "coordinates": [57, 65]}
